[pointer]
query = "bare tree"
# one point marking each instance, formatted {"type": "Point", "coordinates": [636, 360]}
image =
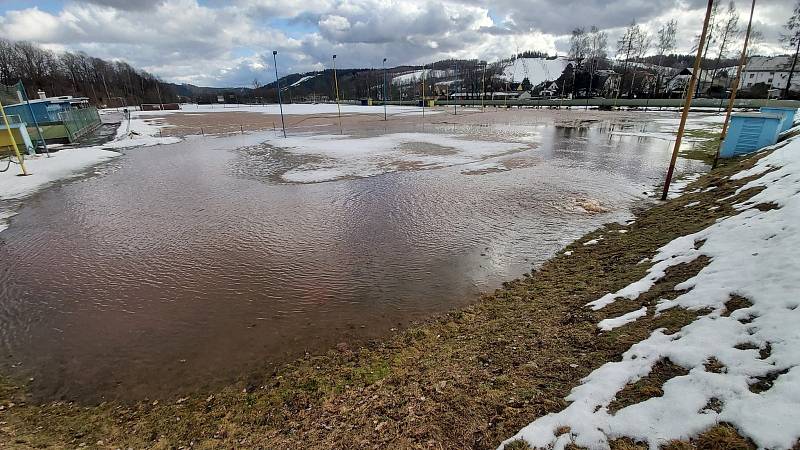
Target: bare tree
{"type": "Point", "coordinates": [626, 46]}
{"type": "Point", "coordinates": [578, 46]}
{"type": "Point", "coordinates": [755, 42]}
{"type": "Point", "coordinates": [633, 44]}
{"type": "Point", "coordinates": [665, 44]}
{"type": "Point", "coordinates": [598, 51]}
{"type": "Point", "coordinates": [729, 32]}
{"type": "Point", "coordinates": [711, 41]}
{"type": "Point", "coordinates": [792, 39]}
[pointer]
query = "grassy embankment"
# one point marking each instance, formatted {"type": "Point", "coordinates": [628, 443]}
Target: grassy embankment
{"type": "Point", "coordinates": [468, 379]}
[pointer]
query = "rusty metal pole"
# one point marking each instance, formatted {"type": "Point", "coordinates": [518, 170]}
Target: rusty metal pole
{"type": "Point", "coordinates": [737, 80]}
{"type": "Point", "coordinates": [688, 103]}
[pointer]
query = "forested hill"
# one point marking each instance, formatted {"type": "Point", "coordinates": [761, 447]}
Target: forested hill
{"type": "Point", "coordinates": [116, 83]}
{"type": "Point", "coordinates": [78, 74]}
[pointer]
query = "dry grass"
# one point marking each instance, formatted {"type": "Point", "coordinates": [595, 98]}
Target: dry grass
{"type": "Point", "coordinates": [647, 387]}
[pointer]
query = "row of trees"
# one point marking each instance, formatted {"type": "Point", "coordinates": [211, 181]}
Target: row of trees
{"type": "Point", "coordinates": [723, 31]}
{"type": "Point", "coordinates": [113, 83]}
{"type": "Point", "coordinates": [635, 48]}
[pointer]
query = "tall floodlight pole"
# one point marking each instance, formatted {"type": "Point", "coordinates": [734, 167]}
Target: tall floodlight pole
{"type": "Point", "coordinates": [278, 84]}
{"type": "Point", "coordinates": [336, 84]}
{"type": "Point", "coordinates": [455, 74]}
{"type": "Point", "coordinates": [688, 103]}
{"type": "Point", "coordinates": [384, 89]}
{"type": "Point", "coordinates": [736, 82]}
{"type": "Point", "coordinates": [483, 86]}
{"type": "Point", "coordinates": [423, 95]}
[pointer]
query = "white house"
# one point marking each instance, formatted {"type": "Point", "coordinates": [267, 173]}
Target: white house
{"type": "Point", "coordinates": [770, 70]}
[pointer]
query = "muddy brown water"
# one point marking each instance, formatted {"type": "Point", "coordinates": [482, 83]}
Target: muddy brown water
{"type": "Point", "coordinates": [177, 268]}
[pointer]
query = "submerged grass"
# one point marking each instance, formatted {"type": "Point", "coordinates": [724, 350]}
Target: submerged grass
{"type": "Point", "coordinates": [704, 147]}
{"type": "Point", "coordinates": [467, 379]}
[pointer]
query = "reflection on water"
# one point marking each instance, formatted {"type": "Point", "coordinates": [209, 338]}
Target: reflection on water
{"type": "Point", "coordinates": [187, 265]}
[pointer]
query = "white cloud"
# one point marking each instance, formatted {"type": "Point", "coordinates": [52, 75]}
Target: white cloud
{"type": "Point", "coordinates": [219, 42]}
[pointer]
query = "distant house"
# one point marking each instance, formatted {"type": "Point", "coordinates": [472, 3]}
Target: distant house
{"type": "Point", "coordinates": [770, 70]}
{"type": "Point", "coordinates": [676, 86]}
{"type": "Point", "coordinates": [610, 82]}
{"type": "Point", "coordinates": [550, 89]}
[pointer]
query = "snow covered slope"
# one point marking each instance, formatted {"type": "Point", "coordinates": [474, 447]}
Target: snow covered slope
{"type": "Point", "coordinates": [302, 80]}
{"type": "Point", "coordinates": [538, 70]}
{"type": "Point", "coordinates": [753, 254]}
{"type": "Point", "coordinates": [416, 76]}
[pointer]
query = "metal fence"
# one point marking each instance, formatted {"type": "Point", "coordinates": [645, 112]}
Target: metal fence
{"type": "Point", "coordinates": [78, 122]}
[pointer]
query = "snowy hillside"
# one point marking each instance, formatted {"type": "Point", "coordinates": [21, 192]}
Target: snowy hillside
{"type": "Point", "coordinates": [537, 70]}
{"type": "Point", "coordinates": [416, 76]}
{"type": "Point", "coordinates": [302, 80]}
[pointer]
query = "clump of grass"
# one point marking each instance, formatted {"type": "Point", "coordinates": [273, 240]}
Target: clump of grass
{"type": "Point", "coordinates": [519, 444]}
{"type": "Point", "coordinates": [626, 444]}
{"type": "Point", "coordinates": [723, 437]}
{"type": "Point", "coordinates": [647, 387]}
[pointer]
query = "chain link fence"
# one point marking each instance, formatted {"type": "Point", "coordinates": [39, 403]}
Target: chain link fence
{"type": "Point", "coordinates": [79, 122]}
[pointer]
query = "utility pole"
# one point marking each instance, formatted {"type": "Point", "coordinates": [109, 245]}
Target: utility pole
{"type": "Point", "coordinates": [737, 80]}
{"type": "Point", "coordinates": [336, 84]}
{"type": "Point", "coordinates": [688, 103]}
{"type": "Point", "coordinates": [384, 90]}
{"type": "Point", "coordinates": [33, 117]}
{"type": "Point", "coordinates": [105, 86]}
{"type": "Point", "coordinates": [278, 84]}
{"type": "Point", "coordinates": [791, 71]}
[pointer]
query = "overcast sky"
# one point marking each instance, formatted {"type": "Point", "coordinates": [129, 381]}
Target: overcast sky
{"type": "Point", "coordinates": [223, 43]}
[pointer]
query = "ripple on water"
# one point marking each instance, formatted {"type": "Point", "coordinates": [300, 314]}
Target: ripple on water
{"type": "Point", "coordinates": [194, 263]}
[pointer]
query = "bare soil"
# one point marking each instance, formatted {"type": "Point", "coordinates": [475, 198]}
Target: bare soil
{"type": "Point", "coordinates": [186, 122]}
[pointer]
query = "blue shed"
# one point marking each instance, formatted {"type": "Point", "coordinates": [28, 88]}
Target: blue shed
{"type": "Point", "coordinates": [749, 132]}
{"type": "Point", "coordinates": [47, 109]}
{"type": "Point", "coordinates": [786, 113]}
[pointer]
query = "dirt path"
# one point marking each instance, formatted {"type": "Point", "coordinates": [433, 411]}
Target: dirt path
{"type": "Point", "coordinates": [468, 379]}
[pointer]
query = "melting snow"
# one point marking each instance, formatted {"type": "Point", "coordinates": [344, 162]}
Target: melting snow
{"type": "Point", "coordinates": [753, 254]}
{"type": "Point", "coordinates": [348, 156]}
{"type": "Point", "coordinates": [71, 162]}
{"type": "Point", "coordinates": [610, 324]}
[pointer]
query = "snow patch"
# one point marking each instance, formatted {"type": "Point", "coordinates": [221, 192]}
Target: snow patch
{"type": "Point", "coordinates": [342, 156]}
{"type": "Point", "coordinates": [43, 171]}
{"type": "Point", "coordinates": [752, 254]}
{"type": "Point", "coordinates": [610, 324]}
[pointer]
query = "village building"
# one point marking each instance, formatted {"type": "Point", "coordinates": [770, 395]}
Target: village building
{"type": "Point", "coordinates": [772, 71]}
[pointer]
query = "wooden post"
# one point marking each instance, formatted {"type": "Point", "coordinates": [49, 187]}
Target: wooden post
{"type": "Point", "coordinates": [688, 103]}
{"type": "Point", "coordinates": [13, 141]}
{"type": "Point", "coordinates": [737, 80]}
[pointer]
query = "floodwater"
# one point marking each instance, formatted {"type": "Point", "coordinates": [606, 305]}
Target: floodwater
{"type": "Point", "coordinates": [177, 268]}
